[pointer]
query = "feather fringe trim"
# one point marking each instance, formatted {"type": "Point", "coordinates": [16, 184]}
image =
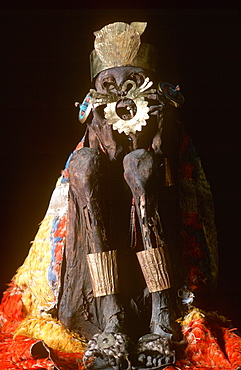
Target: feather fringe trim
{"type": "Point", "coordinates": [211, 344]}
{"type": "Point", "coordinates": [52, 333]}
{"type": "Point", "coordinates": [211, 317]}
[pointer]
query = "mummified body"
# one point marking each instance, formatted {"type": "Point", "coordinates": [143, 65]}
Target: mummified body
{"type": "Point", "coordinates": [124, 251]}
{"type": "Point", "coordinates": [103, 184]}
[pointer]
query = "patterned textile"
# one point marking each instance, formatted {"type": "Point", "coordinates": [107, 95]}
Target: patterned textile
{"type": "Point", "coordinates": [32, 338]}
{"type": "Point", "coordinates": [198, 228]}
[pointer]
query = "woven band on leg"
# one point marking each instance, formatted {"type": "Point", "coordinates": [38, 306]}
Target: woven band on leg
{"type": "Point", "coordinates": [103, 273]}
{"type": "Point", "coordinates": [154, 269]}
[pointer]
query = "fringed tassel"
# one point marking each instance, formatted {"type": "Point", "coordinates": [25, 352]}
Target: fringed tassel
{"type": "Point", "coordinates": [168, 175]}
{"type": "Point", "coordinates": [133, 231]}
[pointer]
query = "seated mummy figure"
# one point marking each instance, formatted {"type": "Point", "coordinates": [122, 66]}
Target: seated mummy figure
{"type": "Point", "coordinates": [136, 196]}
{"type": "Point", "coordinates": [129, 235]}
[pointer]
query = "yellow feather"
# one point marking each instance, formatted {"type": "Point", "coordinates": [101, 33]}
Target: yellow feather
{"type": "Point", "coordinates": [194, 314]}
{"type": "Point", "coordinates": [52, 333]}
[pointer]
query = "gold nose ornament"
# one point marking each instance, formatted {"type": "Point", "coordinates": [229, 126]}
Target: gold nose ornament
{"type": "Point", "coordinates": [134, 103]}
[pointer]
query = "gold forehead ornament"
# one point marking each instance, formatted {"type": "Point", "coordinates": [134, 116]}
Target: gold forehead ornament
{"type": "Point", "coordinates": [119, 44]}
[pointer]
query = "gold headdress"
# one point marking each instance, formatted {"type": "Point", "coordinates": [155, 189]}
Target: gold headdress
{"type": "Point", "coordinates": [116, 45]}
{"type": "Point", "coordinates": [119, 44]}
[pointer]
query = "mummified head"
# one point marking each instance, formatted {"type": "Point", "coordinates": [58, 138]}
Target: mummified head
{"type": "Point", "coordinates": [124, 98]}
{"type": "Point", "coordinates": [118, 66]}
{"type": "Point", "coordinates": [121, 92]}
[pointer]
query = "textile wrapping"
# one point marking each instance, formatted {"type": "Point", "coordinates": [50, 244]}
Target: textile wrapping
{"type": "Point", "coordinates": [29, 305]}
{"type": "Point", "coordinates": [198, 230]}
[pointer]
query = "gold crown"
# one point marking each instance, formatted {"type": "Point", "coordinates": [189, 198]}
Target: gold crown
{"type": "Point", "coordinates": [119, 44]}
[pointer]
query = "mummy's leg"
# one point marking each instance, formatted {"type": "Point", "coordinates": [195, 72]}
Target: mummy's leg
{"type": "Point", "coordinates": [139, 173]}
{"type": "Point", "coordinates": [86, 236]}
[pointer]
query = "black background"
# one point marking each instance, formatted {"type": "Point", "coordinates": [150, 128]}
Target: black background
{"type": "Point", "coordinates": [45, 69]}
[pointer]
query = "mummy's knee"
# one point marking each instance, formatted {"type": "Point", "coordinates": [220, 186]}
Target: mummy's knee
{"type": "Point", "coordinates": [138, 167]}
{"type": "Point", "coordinates": [84, 167]}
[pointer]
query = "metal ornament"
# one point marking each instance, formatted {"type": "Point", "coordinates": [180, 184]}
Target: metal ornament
{"type": "Point", "coordinates": [154, 268]}
{"type": "Point", "coordinates": [172, 93]}
{"type": "Point", "coordinates": [119, 44]}
{"type": "Point", "coordinates": [154, 343]}
{"type": "Point", "coordinates": [106, 340]}
{"type": "Point", "coordinates": [133, 102]}
{"type": "Point", "coordinates": [110, 349]}
{"type": "Point", "coordinates": [186, 295]}
{"type": "Point", "coordinates": [132, 125]}
{"type": "Point", "coordinates": [103, 273]}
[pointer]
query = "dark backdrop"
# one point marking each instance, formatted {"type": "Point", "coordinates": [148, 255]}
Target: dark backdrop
{"type": "Point", "coordinates": [45, 69]}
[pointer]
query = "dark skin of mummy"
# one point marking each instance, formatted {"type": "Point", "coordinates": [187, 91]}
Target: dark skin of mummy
{"type": "Point", "coordinates": [141, 165]}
